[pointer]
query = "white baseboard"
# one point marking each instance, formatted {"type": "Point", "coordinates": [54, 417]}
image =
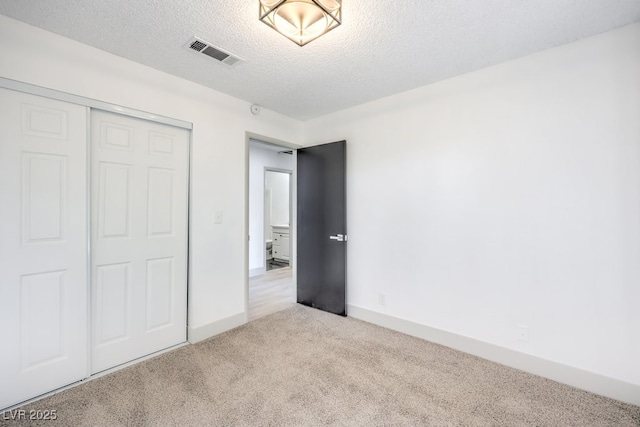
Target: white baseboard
{"type": "Point", "coordinates": [201, 333]}
{"type": "Point", "coordinates": [257, 271]}
{"type": "Point", "coordinates": [585, 380]}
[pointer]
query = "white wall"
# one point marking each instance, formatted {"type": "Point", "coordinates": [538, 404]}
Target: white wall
{"type": "Point", "coordinates": [259, 159]}
{"type": "Point", "coordinates": [507, 196]}
{"type": "Point", "coordinates": [217, 266]}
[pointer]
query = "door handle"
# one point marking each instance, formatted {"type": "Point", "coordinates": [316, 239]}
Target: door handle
{"type": "Point", "coordinates": [339, 237]}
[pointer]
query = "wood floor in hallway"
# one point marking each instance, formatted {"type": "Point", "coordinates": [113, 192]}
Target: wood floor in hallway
{"type": "Point", "coordinates": [271, 292]}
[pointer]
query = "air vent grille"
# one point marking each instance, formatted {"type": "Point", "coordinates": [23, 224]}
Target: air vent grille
{"type": "Point", "coordinates": [197, 45]}
{"type": "Point", "coordinates": [214, 52]}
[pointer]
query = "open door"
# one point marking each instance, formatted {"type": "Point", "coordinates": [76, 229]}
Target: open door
{"type": "Point", "coordinates": [322, 227]}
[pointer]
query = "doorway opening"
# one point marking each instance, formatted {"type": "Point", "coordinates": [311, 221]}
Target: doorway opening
{"type": "Point", "coordinates": [271, 226]}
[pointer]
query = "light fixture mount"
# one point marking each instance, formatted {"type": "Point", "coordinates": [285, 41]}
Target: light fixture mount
{"type": "Point", "coordinates": [301, 21]}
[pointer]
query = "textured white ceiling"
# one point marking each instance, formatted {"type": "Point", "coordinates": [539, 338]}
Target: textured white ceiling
{"type": "Point", "coordinates": [382, 48]}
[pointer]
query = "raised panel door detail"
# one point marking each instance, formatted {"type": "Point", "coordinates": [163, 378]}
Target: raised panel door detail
{"type": "Point", "coordinates": [41, 318]}
{"type": "Point", "coordinates": [154, 189]}
{"type": "Point", "coordinates": [113, 289]}
{"type": "Point", "coordinates": [44, 122]}
{"type": "Point", "coordinates": [43, 245]}
{"type": "Point", "coordinates": [159, 292]}
{"type": "Point", "coordinates": [44, 197]}
{"type": "Point", "coordinates": [116, 136]}
{"type": "Point", "coordinates": [160, 202]}
{"type": "Point", "coordinates": [115, 200]}
{"type": "Point", "coordinates": [160, 144]}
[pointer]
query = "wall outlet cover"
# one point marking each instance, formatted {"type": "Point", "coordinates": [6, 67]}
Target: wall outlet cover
{"type": "Point", "coordinates": [522, 333]}
{"type": "Point", "coordinates": [382, 299]}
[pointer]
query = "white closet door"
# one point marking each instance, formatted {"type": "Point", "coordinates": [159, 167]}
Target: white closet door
{"type": "Point", "coordinates": [139, 238]}
{"type": "Point", "coordinates": [43, 245]}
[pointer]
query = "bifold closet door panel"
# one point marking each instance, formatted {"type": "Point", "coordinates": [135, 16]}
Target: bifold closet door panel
{"type": "Point", "coordinates": [43, 245]}
{"type": "Point", "coordinates": [139, 188]}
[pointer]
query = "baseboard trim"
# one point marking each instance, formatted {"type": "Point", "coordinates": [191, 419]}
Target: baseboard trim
{"type": "Point", "coordinates": [201, 333]}
{"type": "Point", "coordinates": [576, 377]}
{"type": "Point", "coordinates": [257, 271]}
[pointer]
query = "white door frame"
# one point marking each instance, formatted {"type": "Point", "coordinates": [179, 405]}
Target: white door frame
{"type": "Point", "coordinates": [92, 103]}
{"type": "Point", "coordinates": [293, 215]}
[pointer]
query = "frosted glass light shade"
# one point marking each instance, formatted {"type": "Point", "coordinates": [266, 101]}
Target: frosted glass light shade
{"type": "Point", "coordinates": [301, 21]}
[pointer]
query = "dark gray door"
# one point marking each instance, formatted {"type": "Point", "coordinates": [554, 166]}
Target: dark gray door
{"type": "Point", "coordinates": [322, 227]}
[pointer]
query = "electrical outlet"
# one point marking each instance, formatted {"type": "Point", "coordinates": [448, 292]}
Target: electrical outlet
{"type": "Point", "coordinates": [382, 299]}
{"type": "Point", "coordinates": [522, 333]}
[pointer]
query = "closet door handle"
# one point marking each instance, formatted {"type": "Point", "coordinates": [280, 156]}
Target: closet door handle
{"type": "Point", "coordinates": [339, 237]}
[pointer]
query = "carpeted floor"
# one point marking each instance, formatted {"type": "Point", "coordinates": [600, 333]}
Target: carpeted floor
{"type": "Point", "coordinates": [306, 367]}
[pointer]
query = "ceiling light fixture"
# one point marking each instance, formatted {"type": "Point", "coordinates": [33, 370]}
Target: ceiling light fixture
{"type": "Point", "coordinates": [301, 21]}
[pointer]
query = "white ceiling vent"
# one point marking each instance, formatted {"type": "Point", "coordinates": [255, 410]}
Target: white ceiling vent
{"type": "Point", "coordinates": [215, 52]}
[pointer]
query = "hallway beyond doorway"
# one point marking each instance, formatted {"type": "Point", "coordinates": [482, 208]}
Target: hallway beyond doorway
{"type": "Point", "coordinates": [271, 292]}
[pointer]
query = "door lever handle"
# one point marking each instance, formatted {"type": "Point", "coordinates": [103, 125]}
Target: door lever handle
{"type": "Point", "coordinates": [339, 237]}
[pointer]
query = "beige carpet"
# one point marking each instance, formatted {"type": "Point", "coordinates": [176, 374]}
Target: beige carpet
{"type": "Point", "coordinates": [305, 367]}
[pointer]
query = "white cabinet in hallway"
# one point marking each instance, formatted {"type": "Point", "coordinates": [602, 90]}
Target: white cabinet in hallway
{"type": "Point", "coordinates": [281, 243]}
